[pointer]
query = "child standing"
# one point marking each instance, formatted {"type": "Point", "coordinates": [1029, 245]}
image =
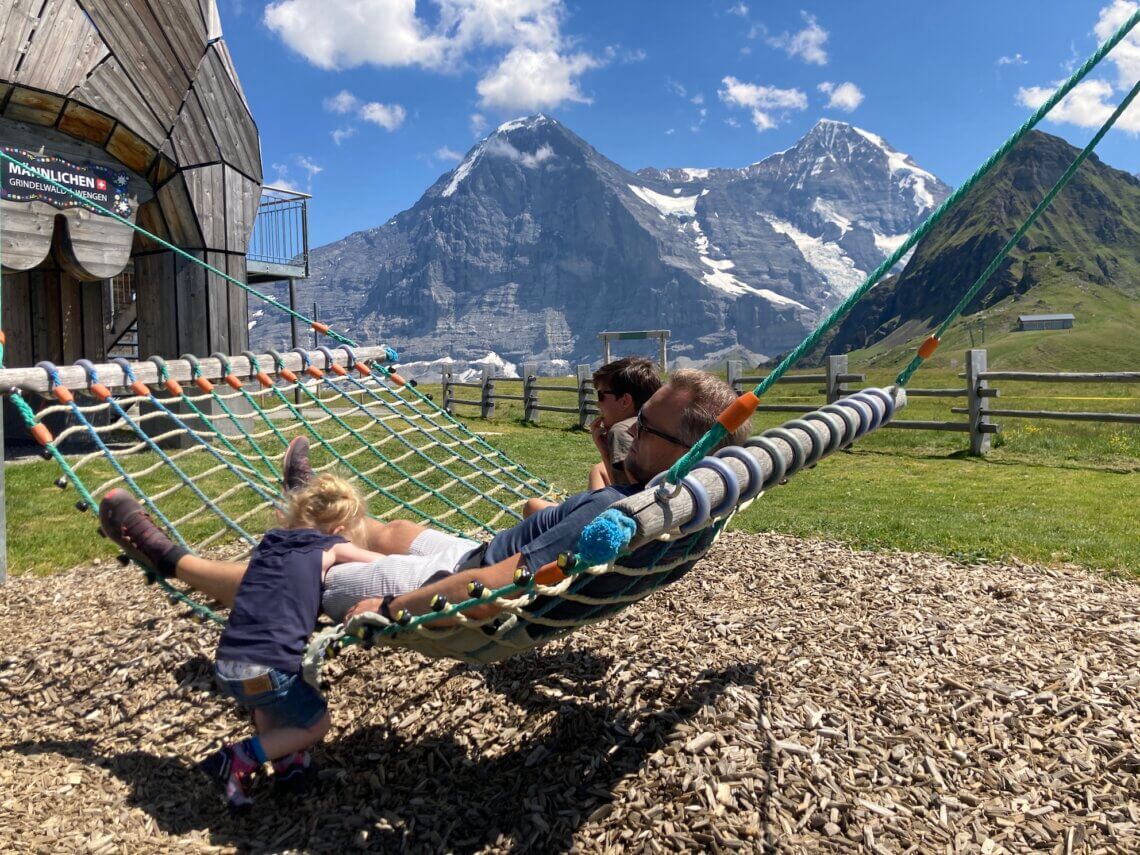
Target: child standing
{"type": "Point", "coordinates": [258, 660]}
{"type": "Point", "coordinates": [622, 387]}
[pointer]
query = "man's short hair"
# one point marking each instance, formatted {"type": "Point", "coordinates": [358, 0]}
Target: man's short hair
{"type": "Point", "coordinates": [634, 375]}
{"type": "Point", "coordinates": [709, 396]}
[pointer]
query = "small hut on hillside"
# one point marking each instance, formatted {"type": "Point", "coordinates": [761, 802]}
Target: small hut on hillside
{"type": "Point", "coordinates": [138, 107]}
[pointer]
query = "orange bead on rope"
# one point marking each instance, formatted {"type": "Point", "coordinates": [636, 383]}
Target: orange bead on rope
{"type": "Point", "coordinates": [738, 412]}
{"type": "Point", "coordinates": [173, 387]}
{"type": "Point", "coordinates": [100, 391]}
{"type": "Point", "coordinates": [204, 384]}
{"type": "Point", "coordinates": [337, 369]}
{"type": "Point", "coordinates": [314, 372]}
{"type": "Point", "coordinates": [928, 347]}
{"type": "Point", "coordinates": [323, 329]}
{"type": "Point", "coordinates": [233, 382]}
{"type": "Point", "coordinates": [41, 434]}
{"type": "Point", "coordinates": [140, 388]}
{"type": "Point", "coordinates": [62, 394]}
{"type": "Point", "coordinates": [287, 375]}
{"type": "Point", "coordinates": [363, 369]}
{"type": "Point", "coordinates": [396, 378]}
{"type": "Point", "coordinates": [263, 379]}
{"type": "Point", "coordinates": [549, 574]}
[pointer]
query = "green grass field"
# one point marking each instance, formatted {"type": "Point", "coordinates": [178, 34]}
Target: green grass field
{"type": "Point", "coordinates": [1049, 492]}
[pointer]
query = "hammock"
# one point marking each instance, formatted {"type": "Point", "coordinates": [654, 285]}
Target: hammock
{"type": "Point", "coordinates": [205, 463]}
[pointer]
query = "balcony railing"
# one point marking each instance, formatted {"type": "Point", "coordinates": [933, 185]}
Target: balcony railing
{"type": "Point", "coordinates": [279, 245]}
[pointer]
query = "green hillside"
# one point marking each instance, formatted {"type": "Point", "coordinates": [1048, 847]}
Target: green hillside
{"type": "Point", "coordinates": [1082, 256]}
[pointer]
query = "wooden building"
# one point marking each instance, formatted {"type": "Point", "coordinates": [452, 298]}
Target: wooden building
{"type": "Point", "coordinates": [137, 105]}
{"type": "Point", "coordinates": [1044, 322]}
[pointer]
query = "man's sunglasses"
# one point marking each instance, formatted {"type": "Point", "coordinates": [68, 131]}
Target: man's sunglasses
{"type": "Point", "coordinates": [602, 394]}
{"type": "Point", "coordinates": [643, 426]}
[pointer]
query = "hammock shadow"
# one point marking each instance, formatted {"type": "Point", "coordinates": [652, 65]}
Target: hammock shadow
{"type": "Point", "coordinates": [386, 793]}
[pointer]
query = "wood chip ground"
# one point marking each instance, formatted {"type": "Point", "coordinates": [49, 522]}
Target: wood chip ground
{"type": "Point", "coordinates": [787, 695]}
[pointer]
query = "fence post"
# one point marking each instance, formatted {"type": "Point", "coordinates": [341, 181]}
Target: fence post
{"type": "Point", "coordinates": [488, 402]}
{"type": "Point", "coordinates": [585, 384]}
{"type": "Point", "coordinates": [976, 365]}
{"type": "Point", "coordinates": [836, 365]}
{"type": "Point", "coordinates": [445, 381]}
{"type": "Point", "coordinates": [735, 370]}
{"type": "Point", "coordinates": [530, 396]}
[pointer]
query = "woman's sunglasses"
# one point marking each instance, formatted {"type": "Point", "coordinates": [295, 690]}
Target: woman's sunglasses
{"type": "Point", "coordinates": [643, 426]}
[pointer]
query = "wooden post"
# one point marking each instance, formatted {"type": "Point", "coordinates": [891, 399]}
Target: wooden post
{"type": "Point", "coordinates": [836, 365]}
{"type": "Point", "coordinates": [605, 349]}
{"type": "Point", "coordinates": [735, 371]}
{"type": "Point", "coordinates": [530, 396]}
{"type": "Point", "coordinates": [445, 381]}
{"type": "Point", "coordinates": [978, 405]}
{"type": "Point", "coordinates": [488, 402]}
{"type": "Point", "coordinates": [585, 383]}
{"type": "Point", "coordinates": [664, 353]}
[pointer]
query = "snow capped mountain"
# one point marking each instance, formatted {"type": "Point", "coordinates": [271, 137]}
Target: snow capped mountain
{"type": "Point", "coordinates": [535, 242]}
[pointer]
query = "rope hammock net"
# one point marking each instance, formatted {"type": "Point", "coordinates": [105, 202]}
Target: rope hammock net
{"type": "Point", "coordinates": [199, 443]}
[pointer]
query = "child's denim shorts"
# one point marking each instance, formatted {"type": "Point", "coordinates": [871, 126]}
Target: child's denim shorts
{"type": "Point", "coordinates": [284, 698]}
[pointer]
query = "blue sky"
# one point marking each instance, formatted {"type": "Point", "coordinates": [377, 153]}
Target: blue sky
{"type": "Point", "coordinates": [365, 103]}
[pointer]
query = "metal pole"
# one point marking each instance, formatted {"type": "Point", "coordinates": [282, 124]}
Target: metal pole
{"type": "Point", "coordinates": [316, 316]}
{"type": "Point", "coordinates": [293, 306]}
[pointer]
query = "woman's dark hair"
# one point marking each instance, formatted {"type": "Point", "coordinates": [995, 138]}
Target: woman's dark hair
{"type": "Point", "coordinates": [633, 375]}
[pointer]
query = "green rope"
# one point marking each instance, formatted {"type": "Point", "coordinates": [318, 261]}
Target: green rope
{"type": "Point", "coordinates": [905, 375]}
{"type": "Point", "coordinates": [709, 441]}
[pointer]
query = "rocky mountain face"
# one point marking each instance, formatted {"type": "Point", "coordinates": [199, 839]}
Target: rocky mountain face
{"type": "Point", "coordinates": [536, 242]}
{"type": "Point", "coordinates": [1089, 237]}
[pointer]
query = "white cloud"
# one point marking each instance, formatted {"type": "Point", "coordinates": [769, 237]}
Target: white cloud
{"type": "Point", "coordinates": [761, 100]}
{"type": "Point", "coordinates": [341, 134]}
{"type": "Point", "coordinates": [843, 96]}
{"type": "Point", "coordinates": [1016, 59]}
{"type": "Point", "coordinates": [387, 116]}
{"type": "Point", "coordinates": [311, 168]}
{"type": "Point", "coordinates": [529, 79]}
{"type": "Point", "coordinates": [739, 9]}
{"type": "Point", "coordinates": [697, 99]}
{"type": "Point", "coordinates": [500, 147]}
{"type": "Point", "coordinates": [731, 122]}
{"type": "Point", "coordinates": [284, 182]}
{"type": "Point", "coordinates": [1087, 106]}
{"type": "Point", "coordinates": [1092, 101]}
{"type": "Point", "coordinates": [341, 34]}
{"type": "Point", "coordinates": [1125, 55]}
{"type": "Point", "coordinates": [443, 153]}
{"type": "Point", "coordinates": [670, 132]}
{"type": "Point", "coordinates": [478, 124]}
{"type": "Point", "coordinates": [807, 43]}
{"type": "Point", "coordinates": [343, 102]}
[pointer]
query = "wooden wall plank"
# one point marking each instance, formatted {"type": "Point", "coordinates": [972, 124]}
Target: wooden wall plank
{"type": "Point", "coordinates": [17, 320]}
{"type": "Point", "coordinates": [179, 213]}
{"type": "Point", "coordinates": [93, 305]}
{"type": "Point", "coordinates": [64, 48]}
{"type": "Point", "coordinates": [150, 218]}
{"type": "Point", "coordinates": [17, 20]}
{"type": "Point", "coordinates": [131, 149]}
{"type": "Point", "coordinates": [71, 318]}
{"type": "Point", "coordinates": [35, 108]}
{"type": "Point", "coordinates": [213, 20]}
{"type": "Point", "coordinates": [26, 237]}
{"type": "Point", "coordinates": [156, 304]}
{"type": "Point", "coordinates": [239, 305]}
{"type": "Point", "coordinates": [181, 22]}
{"type": "Point", "coordinates": [93, 246]}
{"type": "Point", "coordinates": [193, 308]}
{"type": "Point", "coordinates": [217, 320]}
{"type": "Point", "coordinates": [242, 197]}
{"type": "Point", "coordinates": [207, 191]}
{"type": "Point", "coordinates": [231, 70]}
{"type": "Point", "coordinates": [228, 115]}
{"type": "Point", "coordinates": [136, 39]}
{"type": "Point", "coordinates": [110, 91]}
{"type": "Point", "coordinates": [192, 138]}
{"type": "Point", "coordinates": [86, 124]}
{"type": "Point", "coordinates": [44, 288]}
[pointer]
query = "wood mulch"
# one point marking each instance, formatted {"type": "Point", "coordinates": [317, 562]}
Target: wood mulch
{"type": "Point", "coordinates": [789, 695]}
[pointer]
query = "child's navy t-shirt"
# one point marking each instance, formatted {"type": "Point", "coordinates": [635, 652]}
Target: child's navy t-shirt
{"type": "Point", "coordinates": [278, 601]}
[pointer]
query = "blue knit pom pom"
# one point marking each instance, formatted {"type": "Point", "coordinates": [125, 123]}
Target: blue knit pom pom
{"type": "Point", "coordinates": [602, 540]}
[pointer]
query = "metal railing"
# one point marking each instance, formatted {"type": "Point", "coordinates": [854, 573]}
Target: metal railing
{"type": "Point", "coordinates": [281, 230]}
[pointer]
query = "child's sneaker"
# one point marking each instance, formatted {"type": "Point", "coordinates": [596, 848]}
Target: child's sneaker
{"type": "Point", "coordinates": [231, 772]}
{"type": "Point", "coordinates": [295, 469]}
{"type": "Point", "coordinates": [125, 522]}
{"type": "Point", "coordinates": [295, 773]}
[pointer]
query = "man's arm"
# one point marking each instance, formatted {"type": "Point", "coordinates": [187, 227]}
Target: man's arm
{"type": "Point", "coordinates": [454, 587]}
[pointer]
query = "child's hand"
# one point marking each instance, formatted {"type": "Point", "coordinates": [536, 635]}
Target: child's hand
{"type": "Point", "coordinates": [599, 432]}
{"type": "Point", "coordinates": [372, 604]}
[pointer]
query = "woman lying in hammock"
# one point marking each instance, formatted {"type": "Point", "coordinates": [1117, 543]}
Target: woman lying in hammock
{"type": "Point", "coordinates": [420, 563]}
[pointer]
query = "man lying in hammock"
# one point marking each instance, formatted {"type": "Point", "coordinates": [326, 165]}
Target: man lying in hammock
{"type": "Point", "coordinates": [420, 562]}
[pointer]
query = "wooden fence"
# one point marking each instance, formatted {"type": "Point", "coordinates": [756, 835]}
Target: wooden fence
{"type": "Point", "coordinates": [832, 384]}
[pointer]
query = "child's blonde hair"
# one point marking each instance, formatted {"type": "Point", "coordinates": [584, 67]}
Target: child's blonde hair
{"type": "Point", "coordinates": [327, 502]}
